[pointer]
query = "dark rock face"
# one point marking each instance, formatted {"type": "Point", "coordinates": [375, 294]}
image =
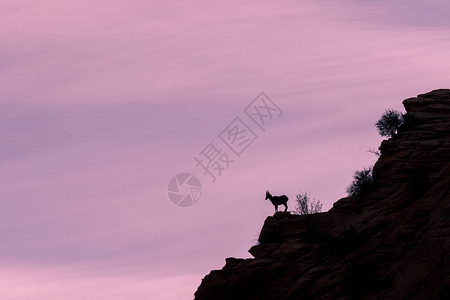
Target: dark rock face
{"type": "Point", "coordinates": [392, 243]}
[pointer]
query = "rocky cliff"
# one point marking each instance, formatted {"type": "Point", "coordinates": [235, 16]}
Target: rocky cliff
{"type": "Point", "coordinates": [393, 242]}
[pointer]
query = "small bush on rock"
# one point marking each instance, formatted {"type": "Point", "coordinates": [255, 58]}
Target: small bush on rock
{"type": "Point", "coordinates": [389, 123]}
{"type": "Point", "coordinates": [362, 182]}
{"type": "Point", "coordinates": [305, 205]}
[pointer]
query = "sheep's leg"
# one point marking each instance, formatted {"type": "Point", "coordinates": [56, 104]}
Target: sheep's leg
{"type": "Point", "coordinates": [285, 205]}
{"type": "Point", "coordinates": [276, 208]}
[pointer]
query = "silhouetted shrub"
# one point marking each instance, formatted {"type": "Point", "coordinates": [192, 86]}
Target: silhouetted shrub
{"type": "Point", "coordinates": [362, 182]}
{"type": "Point", "coordinates": [389, 123]}
{"type": "Point", "coordinates": [373, 151]}
{"type": "Point", "coordinates": [306, 205]}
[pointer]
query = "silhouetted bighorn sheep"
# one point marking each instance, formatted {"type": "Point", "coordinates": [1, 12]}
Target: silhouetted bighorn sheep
{"type": "Point", "coordinates": [277, 200]}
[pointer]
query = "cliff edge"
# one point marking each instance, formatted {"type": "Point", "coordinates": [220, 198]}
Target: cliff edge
{"type": "Point", "coordinates": [393, 242]}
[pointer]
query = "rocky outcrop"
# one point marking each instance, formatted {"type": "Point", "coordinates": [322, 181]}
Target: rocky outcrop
{"type": "Point", "coordinates": [393, 242]}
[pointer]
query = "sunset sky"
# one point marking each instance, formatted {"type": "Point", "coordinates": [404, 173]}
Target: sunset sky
{"type": "Point", "coordinates": [103, 102]}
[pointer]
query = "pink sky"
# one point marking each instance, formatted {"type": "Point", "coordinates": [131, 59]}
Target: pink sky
{"type": "Point", "coordinates": [102, 102]}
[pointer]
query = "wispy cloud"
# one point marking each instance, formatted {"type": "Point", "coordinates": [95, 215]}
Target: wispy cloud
{"type": "Point", "coordinates": [102, 102]}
